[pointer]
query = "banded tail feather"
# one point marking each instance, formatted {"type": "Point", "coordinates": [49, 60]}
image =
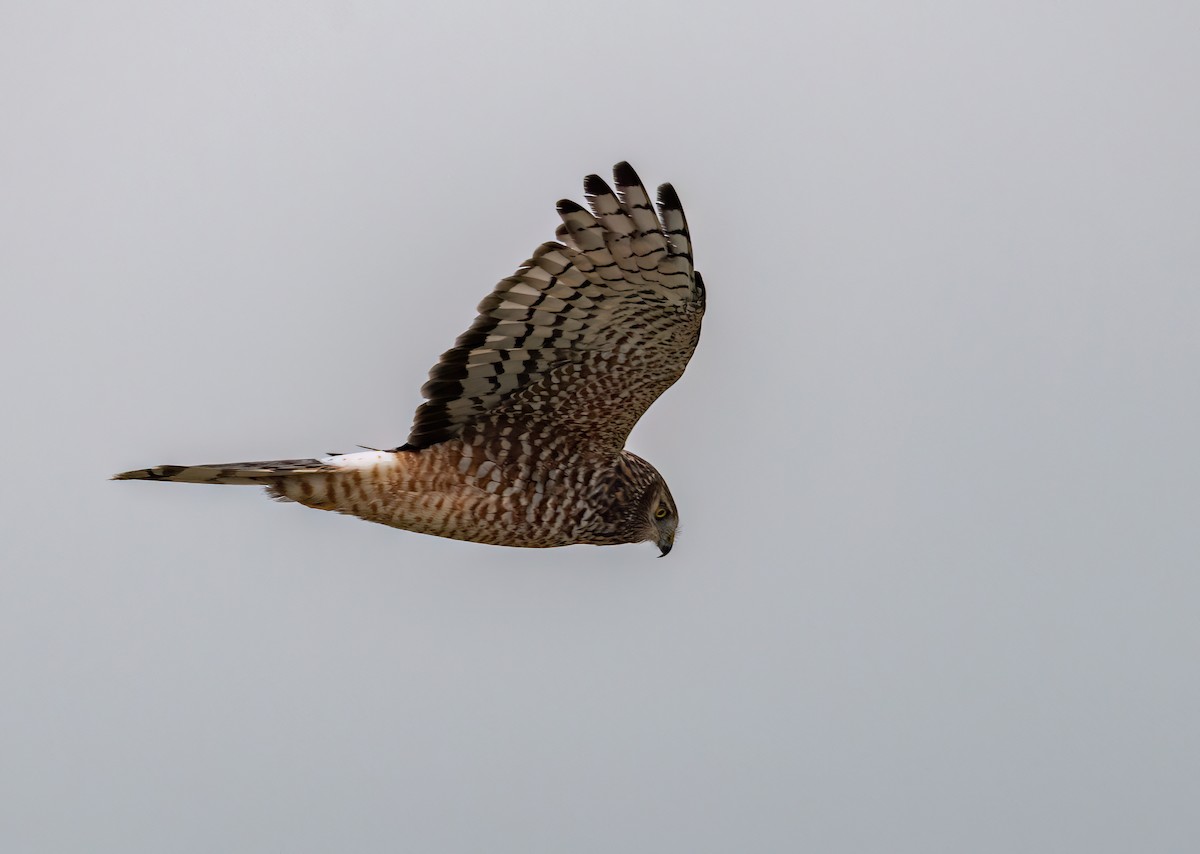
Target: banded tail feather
{"type": "Point", "coordinates": [239, 474]}
{"type": "Point", "coordinates": [340, 482]}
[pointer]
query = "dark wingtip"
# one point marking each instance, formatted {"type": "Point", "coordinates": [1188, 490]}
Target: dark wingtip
{"type": "Point", "coordinates": [566, 206]}
{"type": "Point", "coordinates": [156, 473]}
{"type": "Point", "coordinates": [594, 185]}
{"type": "Point", "coordinates": [668, 198]}
{"type": "Point", "coordinates": [625, 176]}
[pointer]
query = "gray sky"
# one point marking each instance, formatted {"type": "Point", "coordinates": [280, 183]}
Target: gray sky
{"type": "Point", "coordinates": [937, 586]}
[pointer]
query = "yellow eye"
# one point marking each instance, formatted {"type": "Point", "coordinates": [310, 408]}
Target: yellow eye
{"type": "Point", "coordinates": [661, 512]}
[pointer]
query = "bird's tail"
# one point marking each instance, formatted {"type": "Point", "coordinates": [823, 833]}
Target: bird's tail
{"type": "Point", "coordinates": [260, 473]}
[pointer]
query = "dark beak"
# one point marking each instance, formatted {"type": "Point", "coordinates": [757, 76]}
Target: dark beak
{"type": "Point", "coordinates": [665, 548]}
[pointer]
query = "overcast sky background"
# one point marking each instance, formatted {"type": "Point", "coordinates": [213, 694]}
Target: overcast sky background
{"type": "Point", "coordinates": [936, 456]}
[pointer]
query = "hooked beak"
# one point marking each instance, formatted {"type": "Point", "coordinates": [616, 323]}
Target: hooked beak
{"type": "Point", "coordinates": [664, 545]}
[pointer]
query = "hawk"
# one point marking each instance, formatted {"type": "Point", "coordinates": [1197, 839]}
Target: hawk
{"type": "Point", "coordinates": [520, 440]}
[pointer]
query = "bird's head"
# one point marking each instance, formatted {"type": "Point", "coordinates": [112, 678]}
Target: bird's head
{"type": "Point", "coordinates": [650, 513]}
{"type": "Point", "coordinates": [638, 507]}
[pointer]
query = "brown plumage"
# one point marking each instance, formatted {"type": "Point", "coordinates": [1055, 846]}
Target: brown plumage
{"type": "Point", "coordinates": [520, 441]}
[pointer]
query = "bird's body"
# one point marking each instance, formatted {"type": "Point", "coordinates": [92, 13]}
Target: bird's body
{"type": "Point", "coordinates": [520, 441]}
{"type": "Point", "coordinates": [454, 490]}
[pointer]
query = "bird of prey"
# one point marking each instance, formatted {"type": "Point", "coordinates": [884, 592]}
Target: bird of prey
{"type": "Point", "coordinates": [520, 440]}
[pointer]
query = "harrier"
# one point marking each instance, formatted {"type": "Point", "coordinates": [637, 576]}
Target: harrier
{"type": "Point", "coordinates": [520, 440]}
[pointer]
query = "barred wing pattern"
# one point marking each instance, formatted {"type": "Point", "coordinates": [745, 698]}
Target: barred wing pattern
{"type": "Point", "coordinates": [584, 337]}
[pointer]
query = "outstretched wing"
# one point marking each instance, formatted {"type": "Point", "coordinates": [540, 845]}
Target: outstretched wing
{"type": "Point", "coordinates": [586, 334]}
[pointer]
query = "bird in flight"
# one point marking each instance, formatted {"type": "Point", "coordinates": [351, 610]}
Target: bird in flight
{"type": "Point", "coordinates": [520, 440]}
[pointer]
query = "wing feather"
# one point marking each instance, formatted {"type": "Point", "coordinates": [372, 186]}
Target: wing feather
{"type": "Point", "coordinates": [586, 334]}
